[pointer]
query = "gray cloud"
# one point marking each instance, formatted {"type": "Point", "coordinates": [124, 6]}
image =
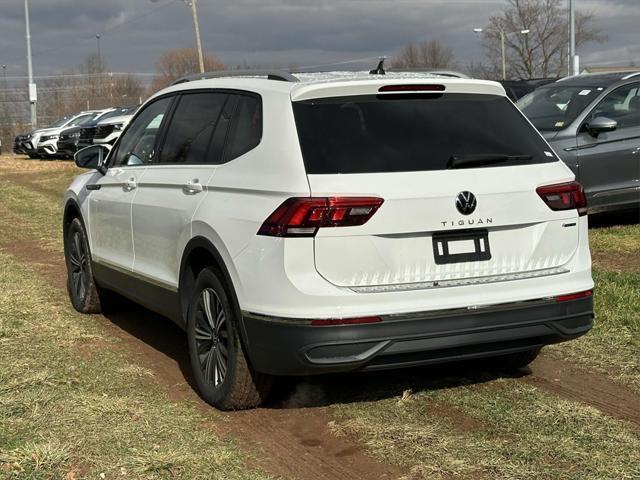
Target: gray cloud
{"type": "Point", "coordinates": [271, 32]}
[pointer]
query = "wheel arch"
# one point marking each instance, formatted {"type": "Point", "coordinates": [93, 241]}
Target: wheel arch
{"type": "Point", "coordinates": [71, 210]}
{"type": "Point", "coordinates": [201, 253]}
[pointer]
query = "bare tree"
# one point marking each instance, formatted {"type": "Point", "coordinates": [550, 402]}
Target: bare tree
{"type": "Point", "coordinates": [431, 54]}
{"type": "Point", "coordinates": [543, 51]}
{"type": "Point", "coordinates": [127, 89]}
{"type": "Point", "coordinates": [179, 62]}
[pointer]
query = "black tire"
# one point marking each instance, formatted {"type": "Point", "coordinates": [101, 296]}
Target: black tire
{"type": "Point", "coordinates": [515, 361]}
{"type": "Point", "coordinates": [83, 292]}
{"type": "Point", "coordinates": [222, 373]}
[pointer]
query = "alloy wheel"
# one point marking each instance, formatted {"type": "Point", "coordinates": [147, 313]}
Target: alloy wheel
{"type": "Point", "coordinates": [212, 338]}
{"type": "Point", "coordinates": [78, 261]}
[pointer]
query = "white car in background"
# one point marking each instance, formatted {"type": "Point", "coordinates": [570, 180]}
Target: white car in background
{"type": "Point", "coordinates": [45, 141]}
{"type": "Point", "coordinates": [109, 129]}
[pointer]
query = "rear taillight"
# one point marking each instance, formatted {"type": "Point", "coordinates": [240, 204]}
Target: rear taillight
{"type": "Point", "coordinates": [303, 216]}
{"type": "Point", "coordinates": [564, 196]}
{"type": "Point", "coordinates": [574, 296]}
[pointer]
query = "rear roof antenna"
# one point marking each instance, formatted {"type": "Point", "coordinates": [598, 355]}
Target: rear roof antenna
{"type": "Point", "coordinates": [379, 70]}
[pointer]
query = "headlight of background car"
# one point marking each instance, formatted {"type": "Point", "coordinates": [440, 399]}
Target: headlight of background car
{"type": "Point", "coordinates": [49, 137]}
{"type": "Point", "coordinates": [74, 135]}
{"type": "Point", "coordinates": [118, 126]}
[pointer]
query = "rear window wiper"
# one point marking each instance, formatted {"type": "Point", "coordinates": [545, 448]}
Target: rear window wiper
{"type": "Point", "coordinates": [468, 161]}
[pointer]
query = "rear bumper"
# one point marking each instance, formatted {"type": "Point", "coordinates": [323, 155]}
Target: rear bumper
{"type": "Point", "coordinates": [289, 347]}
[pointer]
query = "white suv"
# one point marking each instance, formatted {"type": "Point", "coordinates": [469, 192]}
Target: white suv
{"type": "Point", "coordinates": [311, 224]}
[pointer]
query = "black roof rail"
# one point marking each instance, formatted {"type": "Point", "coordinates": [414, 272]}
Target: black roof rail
{"type": "Point", "coordinates": [433, 71]}
{"type": "Point", "coordinates": [270, 74]}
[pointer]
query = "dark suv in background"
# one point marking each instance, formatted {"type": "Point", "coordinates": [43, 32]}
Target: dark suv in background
{"type": "Point", "coordinates": [593, 123]}
{"type": "Point", "coordinates": [75, 138]}
{"type": "Point", "coordinates": [517, 89]}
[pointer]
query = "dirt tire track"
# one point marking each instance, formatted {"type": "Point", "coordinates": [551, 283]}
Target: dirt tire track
{"type": "Point", "coordinates": [291, 442]}
{"type": "Point", "coordinates": [26, 180]}
{"type": "Point", "coordinates": [592, 388]}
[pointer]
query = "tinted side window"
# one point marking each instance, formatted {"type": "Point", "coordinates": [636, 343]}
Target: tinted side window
{"type": "Point", "coordinates": [246, 131]}
{"type": "Point", "coordinates": [137, 145]}
{"type": "Point", "coordinates": [622, 105]}
{"type": "Point", "coordinates": [191, 128]}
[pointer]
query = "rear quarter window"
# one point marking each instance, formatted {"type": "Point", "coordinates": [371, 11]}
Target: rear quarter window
{"type": "Point", "coordinates": [246, 128]}
{"type": "Point", "coordinates": [406, 132]}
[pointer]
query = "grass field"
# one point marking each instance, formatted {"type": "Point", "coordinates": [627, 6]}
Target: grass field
{"type": "Point", "coordinates": [77, 402]}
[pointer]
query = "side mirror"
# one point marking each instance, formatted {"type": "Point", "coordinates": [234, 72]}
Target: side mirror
{"type": "Point", "coordinates": [601, 124]}
{"type": "Point", "coordinates": [92, 157]}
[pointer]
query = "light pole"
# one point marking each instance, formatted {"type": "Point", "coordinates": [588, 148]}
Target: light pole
{"type": "Point", "coordinates": [572, 40]}
{"type": "Point", "coordinates": [196, 26]}
{"type": "Point", "coordinates": [4, 82]}
{"type": "Point", "coordinates": [33, 93]}
{"type": "Point", "coordinates": [503, 36]}
{"type": "Point", "coordinates": [99, 51]}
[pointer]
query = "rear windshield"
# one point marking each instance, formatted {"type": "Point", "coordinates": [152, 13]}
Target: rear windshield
{"type": "Point", "coordinates": [401, 133]}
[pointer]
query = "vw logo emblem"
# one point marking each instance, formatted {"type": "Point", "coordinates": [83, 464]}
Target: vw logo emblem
{"type": "Point", "coordinates": [466, 202]}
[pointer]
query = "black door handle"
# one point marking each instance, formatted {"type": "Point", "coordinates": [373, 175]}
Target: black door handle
{"type": "Point", "coordinates": [94, 186]}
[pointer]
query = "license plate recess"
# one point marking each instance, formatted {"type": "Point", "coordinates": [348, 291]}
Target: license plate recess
{"type": "Point", "coordinates": [461, 246]}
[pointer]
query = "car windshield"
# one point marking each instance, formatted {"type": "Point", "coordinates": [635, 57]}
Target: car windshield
{"type": "Point", "coordinates": [401, 133]}
{"type": "Point", "coordinates": [81, 119]}
{"type": "Point", "coordinates": [554, 107]}
{"type": "Point", "coordinates": [59, 123]}
{"type": "Point", "coordinates": [116, 113]}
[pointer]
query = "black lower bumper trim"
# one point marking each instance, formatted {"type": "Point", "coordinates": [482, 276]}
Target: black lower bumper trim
{"type": "Point", "coordinates": [281, 348]}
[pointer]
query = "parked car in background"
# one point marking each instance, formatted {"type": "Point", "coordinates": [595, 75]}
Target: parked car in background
{"type": "Point", "coordinates": [19, 144]}
{"type": "Point", "coordinates": [69, 138]}
{"type": "Point", "coordinates": [47, 146]}
{"type": "Point", "coordinates": [88, 133]}
{"type": "Point", "coordinates": [42, 142]}
{"type": "Point", "coordinates": [297, 225]}
{"type": "Point", "coordinates": [593, 123]}
{"type": "Point", "coordinates": [519, 88]}
{"type": "Point", "coordinates": [109, 128]}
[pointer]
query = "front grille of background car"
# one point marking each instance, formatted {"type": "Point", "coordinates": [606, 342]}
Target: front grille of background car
{"type": "Point", "coordinates": [87, 134]}
{"type": "Point", "coordinates": [104, 131]}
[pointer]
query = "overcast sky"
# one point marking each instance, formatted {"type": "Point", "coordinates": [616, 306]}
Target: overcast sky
{"type": "Point", "coordinates": [272, 32]}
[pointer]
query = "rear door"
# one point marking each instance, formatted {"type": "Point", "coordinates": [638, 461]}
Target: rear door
{"type": "Point", "coordinates": [399, 147]}
{"type": "Point", "coordinates": [175, 183]}
{"type": "Point", "coordinates": [609, 164]}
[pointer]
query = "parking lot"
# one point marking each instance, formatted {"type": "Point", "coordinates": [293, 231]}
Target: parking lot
{"type": "Point", "coordinates": [110, 396]}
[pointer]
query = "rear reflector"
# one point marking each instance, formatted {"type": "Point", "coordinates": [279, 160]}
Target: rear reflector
{"type": "Point", "coordinates": [303, 216]}
{"type": "Point", "coordinates": [412, 88]}
{"type": "Point", "coordinates": [564, 196]}
{"type": "Point", "coordinates": [574, 296]}
{"type": "Point", "coordinates": [345, 321]}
